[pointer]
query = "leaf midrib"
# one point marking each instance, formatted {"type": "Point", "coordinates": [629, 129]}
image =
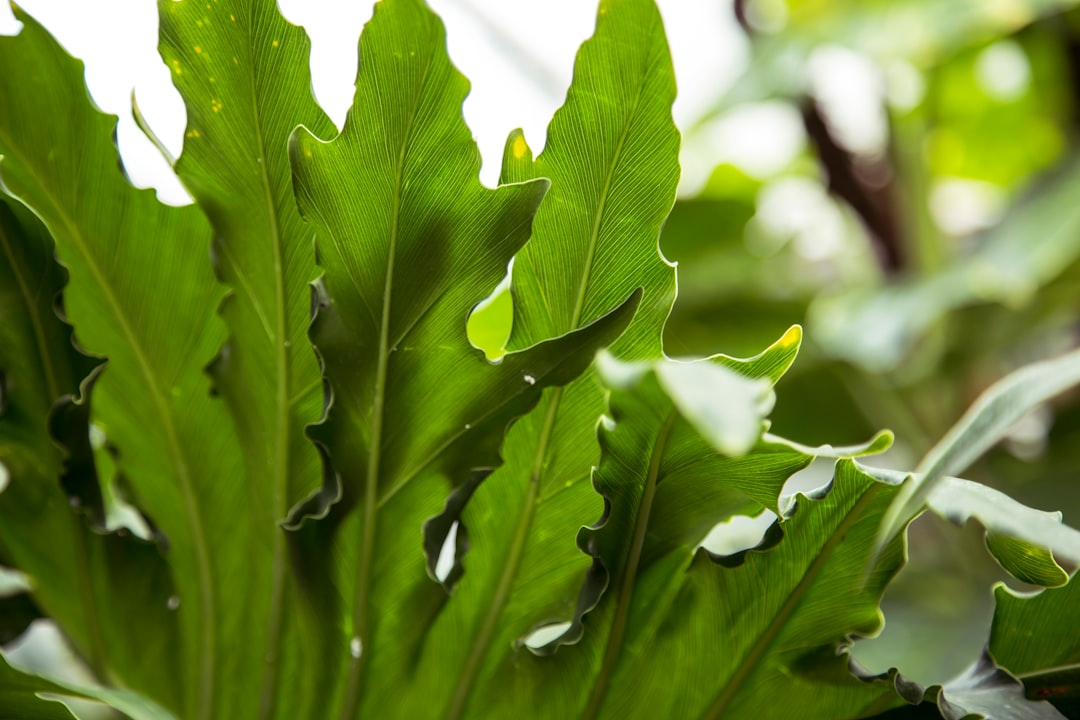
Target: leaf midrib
{"type": "Point", "coordinates": [753, 658]}
{"type": "Point", "coordinates": [354, 676]}
{"type": "Point", "coordinates": [633, 562]}
{"type": "Point", "coordinates": [277, 337]}
{"type": "Point", "coordinates": [467, 679]}
{"type": "Point", "coordinates": [282, 420]}
{"type": "Point", "coordinates": [178, 460]}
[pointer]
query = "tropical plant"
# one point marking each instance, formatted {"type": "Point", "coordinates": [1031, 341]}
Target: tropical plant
{"type": "Point", "coordinates": [253, 467]}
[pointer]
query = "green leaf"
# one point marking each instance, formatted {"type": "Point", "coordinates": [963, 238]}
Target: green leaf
{"type": "Point", "coordinates": [665, 487]}
{"type": "Point", "coordinates": [763, 626]}
{"type": "Point", "coordinates": [132, 704]}
{"type": "Point", "coordinates": [274, 590]}
{"type": "Point", "coordinates": [732, 427]}
{"type": "Point", "coordinates": [661, 586]}
{"type": "Point", "coordinates": [1026, 561]}
{"type": "Point", "coordinates": [101, 588]}
{"type": "Point", "coordinates": [1023, 540]}
{"type": "Point", "coordinates": [1034, 638]}
{"type": "Point", "coordinates": [982, 426]}
{"type": "Point", "coordinates": [770, 363]}
{"type": "Point", "coordinates": [32, 697]}
{"type": "Point", "coordinates": [20, 696]}
{"type": "Point", "coordinates": [611, 156]}
{"type": "Point", "coordinates": [142, 294]}
{"type": "Point", "coordinates": [490, 323]}
{"type": "Point", "coordinates": [410, 241]}
{"type": "Point", "coordinates": [881, 442]}
{"type": "Point", "coordinates": [243, 73]}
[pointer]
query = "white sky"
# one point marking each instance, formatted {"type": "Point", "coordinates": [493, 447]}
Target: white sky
{"type": "Point", "coordinates": [518, 54]}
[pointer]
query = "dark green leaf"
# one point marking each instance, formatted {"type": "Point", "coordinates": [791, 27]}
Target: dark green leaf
{"type": "Point", "coordinates": [20, 696]}
{"type": "Point", "coordinates": [24, 696]}
{"type": "Point", "coordinates": [763, 627]}
{"type": "Point", "coordinates": [1034, 638]}
{"type": "Point", "coordinates": [100, 589]}
{"type": "Point", "coordinates": [143, 294]}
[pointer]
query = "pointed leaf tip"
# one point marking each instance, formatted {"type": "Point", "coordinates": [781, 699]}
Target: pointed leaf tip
{"type": "Point", "coordinates": [773, 362]}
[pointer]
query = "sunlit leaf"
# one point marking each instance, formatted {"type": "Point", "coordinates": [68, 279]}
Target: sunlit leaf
{"type": "Point", "coordinates": [611, 156]}
{"type": "Point", "coordinates": [243, 73]}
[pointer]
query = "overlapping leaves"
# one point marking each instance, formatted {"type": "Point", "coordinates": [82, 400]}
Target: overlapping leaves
{"type": "Point", "coordinates": [756, 620]}
{"type": "Point", "coordinates": [275, 590]}
{"type": "Point", "coordinates": [102, 588]}
{"type": "Point", "coordinates": [1032, 638]}
{"type": "Point", "coordinates": [142, 295]}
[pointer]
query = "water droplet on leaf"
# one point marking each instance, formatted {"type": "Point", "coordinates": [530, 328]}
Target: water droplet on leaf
{"type": "Point", "coordinates": [173, 602]}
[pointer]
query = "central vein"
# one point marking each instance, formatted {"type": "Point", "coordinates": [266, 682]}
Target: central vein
{"type": "Point", "coordinates": [480, 647]}
{"type": "Point", "coordinates": [282, 424]}
{"type": "Point", "coordinates": [633, 560]}
{"type": "Point", "coordinates": [361, 615]}
{"type": "Point", "coordinates": [756, 654]}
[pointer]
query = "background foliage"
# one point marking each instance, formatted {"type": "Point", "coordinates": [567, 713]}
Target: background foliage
{"type": "Point", "coordinates": [924, 265]}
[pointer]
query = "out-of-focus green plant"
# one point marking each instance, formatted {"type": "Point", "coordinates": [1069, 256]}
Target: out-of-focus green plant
{"type": "Point", "coordinates": [924, 268]}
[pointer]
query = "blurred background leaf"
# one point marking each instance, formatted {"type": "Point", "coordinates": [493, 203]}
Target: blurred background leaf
{"type": "Point", "coordinates": [912, 200]}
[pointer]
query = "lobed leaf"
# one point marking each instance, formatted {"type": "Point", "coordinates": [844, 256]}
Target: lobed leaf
{"type": "Point", "coordinates": [242, 70]}
{"type": "Point", "coordinates": [142, 294]}
{"type": "Point", "coordinates": [323, 597]}
{"type": "Point", "coordinates": [409, 242]}
{"type": "Point", "coordinates": [611, 156]}
{"type": "Point", "coordinates": [1023, 540]}
{"type": "Point", "coordinates": [100, 588]}
{"type": "Point", "coordinates": [755, 623]}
